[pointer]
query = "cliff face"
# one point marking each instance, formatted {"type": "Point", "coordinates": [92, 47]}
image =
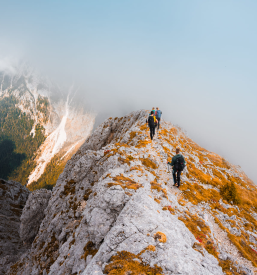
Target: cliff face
{"type": "Point", "coordinates": [114, 209]}
{"type": "Point", "coordinates": [13, 197]}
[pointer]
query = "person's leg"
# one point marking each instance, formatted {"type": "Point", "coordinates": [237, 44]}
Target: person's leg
{"type": "Point", "coordinates": [151, 133]}
{"type": "Point", "coordinates": [178, 177]}
{"type": "Point", "coordinates": [174, 176]}
{"type": "Point", "coordinates": [159, 121]}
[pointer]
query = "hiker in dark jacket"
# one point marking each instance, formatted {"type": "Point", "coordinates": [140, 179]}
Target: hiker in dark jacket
{"type": "Point", "coordinates": [158, 114]}
{"type": "Point", "coordinates": [152, 124]}
{"type": "Point", "coordinates": [178, 163]}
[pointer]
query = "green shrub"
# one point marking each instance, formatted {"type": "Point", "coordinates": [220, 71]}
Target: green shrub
{"type": "Point", "coordinates": [229, 193]}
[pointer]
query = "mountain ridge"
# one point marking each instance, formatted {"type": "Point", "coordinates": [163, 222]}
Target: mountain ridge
{"type": "Point", "coordinates": [114, 209]}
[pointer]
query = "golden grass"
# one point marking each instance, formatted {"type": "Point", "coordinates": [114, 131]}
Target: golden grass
{"type": "Point", "coordinates": [158, 187]}
{"type": "Point", "coordinates": [195, 193]}
{"type": "Point", "coordinates": [160, 236]}
{"type": "Point", "coordinates": [132, 135]}
{"type": "Point", "coordinates": [193, 223]}
{"type": "Point", "coordinates": [124, 263]}
{"type": "Point", "coordinates": [198, 174]}
{"type": "Point", "coordinates": [229, 268]}
{"type": "Point", "coordinates": [117, 144]}
{"type": "Point", "coordinates": [169, 208]}
{"type": "Point", "coordinates": [163, 132]}
{"type": "Point", "coordinates": [125, 182]}
{"type": "Point", "coordinates": [142, 143]}
{"type": "Point", "coordinates": [126, 159]}
{"type": "Point", "coordinates": [151, 248]}
{"type": "Point", "coordinates": [242, 244]}
{"type": "Point", "coordinates": [143, 127]}
{"type": "Point", "coordinates": [148, 163]}
{"type": "Point", "coordinates": [173, 131]}
{"type": "Point", "coordinates": [157, 200]}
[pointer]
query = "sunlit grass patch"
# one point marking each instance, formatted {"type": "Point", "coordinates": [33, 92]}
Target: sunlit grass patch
{"type": "Point", "coordinates": [126, 159]}
{"type": "Point", "coordinates": [157, 200]}
{"type": "Point", "coordinates": [125, 182]}
{"type": "Point", "coordinates": [201, 232]}
{"type": "Point", "coordinates": [158, 187]}
{"type": "Point", "coordinates": [169, 208]}
{"type": "Point", "coordinates": [143, 127]}
{"type": "Point", "coordinates": [242, 244]}
{"type": "Point", "coordinates": [160, 236]}
{"type": "Point", "coordinates": [148, 163]}
{"type": "Point", "coordinates": [142, 143]}
{"type": "Point", "coordinates": [195, 193]}
{"type": "Point", "coordinates": [124, 263]}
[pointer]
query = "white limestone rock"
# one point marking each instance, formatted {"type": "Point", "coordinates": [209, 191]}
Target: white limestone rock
{"type": "Point", "coordinates": [33, 214]}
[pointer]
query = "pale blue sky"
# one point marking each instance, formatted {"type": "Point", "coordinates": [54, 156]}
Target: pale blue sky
{"type": "Point", "coordinates": [196, 60]}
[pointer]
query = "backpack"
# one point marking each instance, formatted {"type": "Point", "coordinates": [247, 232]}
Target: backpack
{"type": "Point", "coordinates": [151, 121]}
{"type": "Point", "coordinates": [179, 164]}
{"type": "Point", "coordinates": [155, 121]}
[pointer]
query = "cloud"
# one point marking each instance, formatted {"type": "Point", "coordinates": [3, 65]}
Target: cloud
{"type": "Point", "coordinates": [7, 64]}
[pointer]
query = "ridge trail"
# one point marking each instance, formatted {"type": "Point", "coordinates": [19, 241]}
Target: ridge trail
{"type": "Point", "coordinates": [114, 209]}
{"type": "Point", "coordinates": [221, 238]}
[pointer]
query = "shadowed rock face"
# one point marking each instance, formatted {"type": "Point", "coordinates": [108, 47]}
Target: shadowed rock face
{"type": "Point", "coordinates": [113, 210]}
{"type": "Point", "coordinates": [33, 214]}
{"type": "Point", "coordinates": [13, 197]}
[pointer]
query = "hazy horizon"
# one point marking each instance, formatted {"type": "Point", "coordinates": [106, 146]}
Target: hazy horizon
{"type": "Point", "coordinates": [195, 60]}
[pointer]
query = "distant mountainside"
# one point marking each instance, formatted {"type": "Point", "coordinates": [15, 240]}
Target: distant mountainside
{"type": "Point", "coordinates": [40, 130]}
{"type": "Point", "coordinates": [114, 209]}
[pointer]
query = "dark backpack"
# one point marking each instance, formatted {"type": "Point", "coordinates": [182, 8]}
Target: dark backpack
{"type": "Point", "coordinates": [151, 122]}
{"type": "Point", "coordinates": [179, 164]}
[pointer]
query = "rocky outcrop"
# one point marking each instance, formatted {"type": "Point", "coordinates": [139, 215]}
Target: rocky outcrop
{"type": "Point", "coordinates": [13, 197]}
{"type": "Point", "coordinates": [114, 209]}
{"type": "Point", "coordinates": [33, 214]}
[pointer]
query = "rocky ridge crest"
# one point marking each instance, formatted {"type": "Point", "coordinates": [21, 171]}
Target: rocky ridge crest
{"type": "Point", "coordinates": [114, 209]}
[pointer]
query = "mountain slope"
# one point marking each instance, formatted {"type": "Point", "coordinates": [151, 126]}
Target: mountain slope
{"type": "Point", "coordinates": [114, 209]}
{"type": "Point", "coordinates": [39, 127]}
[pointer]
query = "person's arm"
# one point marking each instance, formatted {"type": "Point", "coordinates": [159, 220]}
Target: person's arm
{"type": "Point", "coordinates": [172, 162]}
{"type": "Point", "coordinates": [184, 160]}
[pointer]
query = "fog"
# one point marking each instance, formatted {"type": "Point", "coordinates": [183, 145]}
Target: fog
{"type": "Point", "coordinates": [195, 60]}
